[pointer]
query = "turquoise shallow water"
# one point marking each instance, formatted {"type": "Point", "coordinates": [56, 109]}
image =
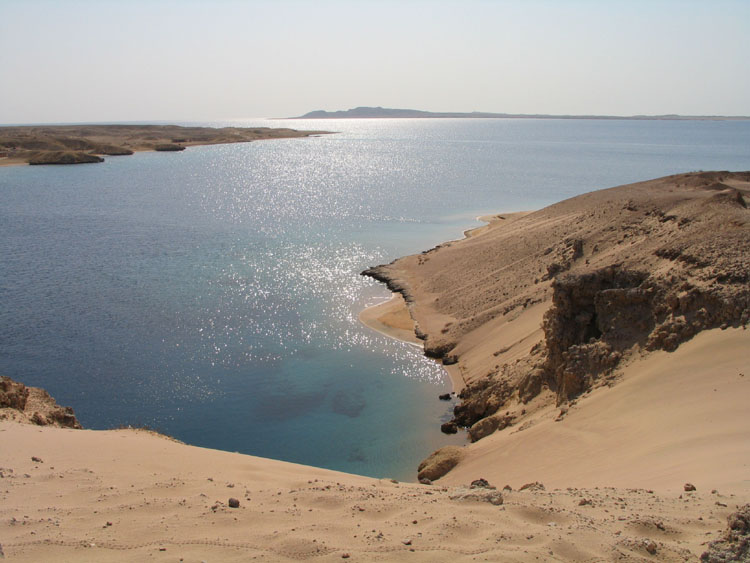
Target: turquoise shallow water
{"type": "Point", "coordinates": [213, 294]}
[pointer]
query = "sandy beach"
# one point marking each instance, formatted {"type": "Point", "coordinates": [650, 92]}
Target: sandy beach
{"type": "Point", "coordinates": [601, 353]}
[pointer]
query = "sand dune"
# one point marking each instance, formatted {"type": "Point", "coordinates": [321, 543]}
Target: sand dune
{"type": "Point", "coordinates": [127, 495]}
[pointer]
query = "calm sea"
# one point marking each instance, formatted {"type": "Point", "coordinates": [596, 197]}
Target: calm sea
{"type": "Point", "coordinates": [213, 294]}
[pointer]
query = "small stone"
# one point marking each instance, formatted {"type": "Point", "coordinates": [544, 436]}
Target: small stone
{"type": "Point", "coordinates": [445, 397]}
{"type": "Point", "coordinates": [234, 503]}
{"type": "Point", "coordinates": [449, 428]}
{"type": "Point", "coordinates": [584, 502]}
{"type": "Point", "coordinates": [651, 547]}
{"type": "Point", "coordinates": [481, 484]}
{"type": "Point", "coordinates": [345, 556]}
{"type": "Point", "coordinates": [36, 459]}
{"type": "Point", "coordinates": [425, 481]}
{"type": "Point", "coordinates": [689, 487]}
{"type": "Point", "coordinates": [495, 498]}
{"type": "Point", "coordinates": [406, 542]}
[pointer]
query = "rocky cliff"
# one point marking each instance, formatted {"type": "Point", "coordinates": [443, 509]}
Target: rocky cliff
{"type": "Point", "coordinates": [618, 273]}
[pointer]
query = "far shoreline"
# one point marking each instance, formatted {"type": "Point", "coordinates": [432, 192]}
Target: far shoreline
{"type": "Point", "coordinates": [87, 144]}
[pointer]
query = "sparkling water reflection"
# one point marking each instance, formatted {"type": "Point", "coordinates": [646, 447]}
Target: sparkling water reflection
{"type": "Point", "coordinates": [214, 293]}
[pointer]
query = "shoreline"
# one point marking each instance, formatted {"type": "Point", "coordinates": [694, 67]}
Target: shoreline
{"type": "Point", "coordinates": [644, 459]}
{"type": "Point", "coordinates": [84, 144]}
{"type": "Point", "coordinates": [534, 312]}
{"type": "Point", "coordinates": [393, 319]}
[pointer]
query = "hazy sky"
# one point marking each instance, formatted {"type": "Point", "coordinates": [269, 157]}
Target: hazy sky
{"type": "Point", "coordinates": [101, 60]}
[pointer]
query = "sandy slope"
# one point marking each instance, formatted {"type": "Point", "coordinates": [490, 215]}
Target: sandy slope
{"type": "Point", "coordinates": [540, 308]}
{"type": "Point", "coordinates": [675, 417]}
{"type": "Point", "coordinates": [132, 496]}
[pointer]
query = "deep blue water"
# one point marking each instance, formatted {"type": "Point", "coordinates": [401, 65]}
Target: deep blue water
{"type": "Point", "coordinates": [213, 294]}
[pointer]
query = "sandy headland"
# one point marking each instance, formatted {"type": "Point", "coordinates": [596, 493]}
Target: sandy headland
{"type": "Point", "coordinates": [600, 351]}
{"type": "Point", "coordinates": [537, 311]}
{"type": "Point", "coordinates": [80, 144]}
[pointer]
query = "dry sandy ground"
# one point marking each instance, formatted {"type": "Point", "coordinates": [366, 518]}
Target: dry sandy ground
{"type": "Point", "coordinates": [674, 417]}
{"type": "Point", "coordinates": [128, 495]}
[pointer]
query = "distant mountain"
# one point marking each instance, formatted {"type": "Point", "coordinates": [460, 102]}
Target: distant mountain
{"type": "Point", "coordinates": [379, 112]}
{"type": "Point", "coordinates": [390, 113]}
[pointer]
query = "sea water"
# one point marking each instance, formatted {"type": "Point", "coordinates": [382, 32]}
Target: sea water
{"type": "Point", "coordinates": [213, 294]}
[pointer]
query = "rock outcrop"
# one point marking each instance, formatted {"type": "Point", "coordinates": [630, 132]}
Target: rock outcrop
{"type": "Point", "coordinates": [735, 544]}
{"type": "Point", "coordinates": [621, 272]}
{"type": "Point", "coordinates": [64, 157]}
{"type": "Point", "coordinates": [439, 463]}
{"type": "Point", "coordinates": [33, 405]}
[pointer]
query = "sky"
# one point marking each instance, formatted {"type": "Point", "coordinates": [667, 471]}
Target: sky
{"type": "Point", "coordinates": [65, 61]}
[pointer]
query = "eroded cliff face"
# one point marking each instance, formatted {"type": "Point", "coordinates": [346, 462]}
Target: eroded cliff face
{"type": "Point", "coordinates": [622, 271]}
{"type": "Point", "coordinates": [33, 405]}
{"type": "Point", "coordinates": [599, 318]}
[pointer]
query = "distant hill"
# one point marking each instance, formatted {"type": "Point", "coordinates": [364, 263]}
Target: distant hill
{"type": "Point", "coordinates": [390, 113]}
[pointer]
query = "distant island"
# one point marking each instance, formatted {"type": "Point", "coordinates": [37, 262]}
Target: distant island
{"type": "Point", "coordinates": [79, 144]}
{"type": "Point", "coordinates": [390, 113]}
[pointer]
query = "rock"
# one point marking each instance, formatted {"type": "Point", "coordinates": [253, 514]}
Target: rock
{"type": "Point", "coordinates": [440, 462]}
{"type": "Point", "coordinates": [13, 395]}
{"type": "Point", "coordinates": [425, 481]}
{"type": "Point", "coordinates": [36, 459]}
{"type": "Point", "coordinates": [584, 502]}
{"type": "Point", "coordinates": [535, 486]}
{"type": "Point", "coordinates": [481, 494]}
{"type": "Point", "coordinates": [689, 487]}
{"type": "Point", "coordinates": [481, 484]}
{"type": "Point", "coordinates": [487, 426]}
{"type": "Point", "coordinates": [64, 157]}
{"type": "Point", "coordinates": [449, 428]}
{"type": "Point", "coordinates": [450, 360]}
{"type": "Point", "coordinates": [234, 503]}
{"type": "Point", "coordinates": [169, 147]}
{"type": "Point", "coordinates": [651, 547]}
{"type": "Point", "coordinates": [445, 397]}
{"type": "Point", "coordinates": [734, 545]}
{"type": "Point", "coordinates": [35, 405]}
{"type": "Point", "coordinates": [111, 150]}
